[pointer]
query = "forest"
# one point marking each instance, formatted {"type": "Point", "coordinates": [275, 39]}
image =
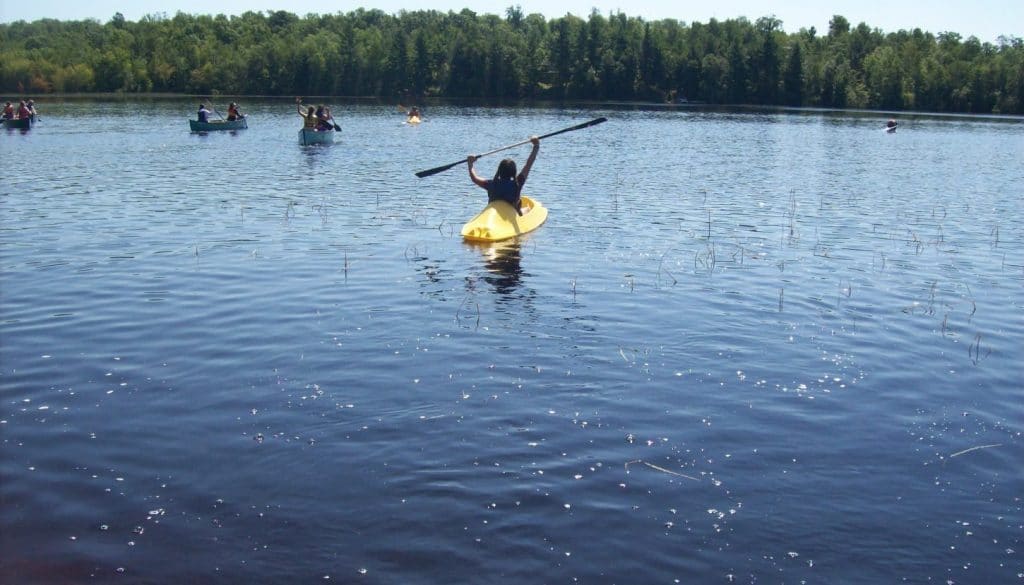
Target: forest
{"type": "Point", "coordinates": [516, 56]}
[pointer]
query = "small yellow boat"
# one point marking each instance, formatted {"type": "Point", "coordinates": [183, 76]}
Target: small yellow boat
{"type": "Point", "coordinates": [413, 120]}
{"type": "Point", "coordinates": [499, 221]}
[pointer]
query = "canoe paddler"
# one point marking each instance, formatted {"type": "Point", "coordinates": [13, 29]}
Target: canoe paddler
{"type": "Point", "coordinates": [506, 184]}
{"type": "Point", "coordinates": [234, 113]}
{"type": "Point", "coordinates": [203, 115]}
{"type": "Point", "coordinates": [308, 117]}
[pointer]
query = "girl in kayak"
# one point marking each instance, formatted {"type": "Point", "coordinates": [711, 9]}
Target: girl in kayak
{"type": "Point", "coordinates": [506, 185]}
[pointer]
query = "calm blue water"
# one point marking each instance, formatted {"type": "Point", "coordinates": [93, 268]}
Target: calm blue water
{"type": "Point", "coordinates": [745, 348]}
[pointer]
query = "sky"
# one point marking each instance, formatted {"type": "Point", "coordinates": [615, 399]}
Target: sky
{"type": "Point", "coordinates": [985, 19]}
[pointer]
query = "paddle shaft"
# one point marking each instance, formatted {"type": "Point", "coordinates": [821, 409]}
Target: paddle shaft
{"type": "Point", "coordinates": [440, 169]}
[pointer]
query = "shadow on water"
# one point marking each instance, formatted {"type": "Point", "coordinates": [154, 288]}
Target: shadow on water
{"type": "Point", "coordinates": [314, 155]}
{"type": "Point", "coordinates": [204, 134]}
{"type": "Point", "coordinates": [503, 262]}
{"type": "Point", "coordinates": [500, 272]}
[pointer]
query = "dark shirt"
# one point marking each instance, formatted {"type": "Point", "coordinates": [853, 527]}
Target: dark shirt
{"type": "Point", "coordinates": [506, 190]}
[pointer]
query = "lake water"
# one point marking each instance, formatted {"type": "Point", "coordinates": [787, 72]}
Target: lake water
{"type": "Point", "coordinates": [746, 347]}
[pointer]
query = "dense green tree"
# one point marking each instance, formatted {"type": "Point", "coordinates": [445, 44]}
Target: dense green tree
{"type": "Point", "coordinates": [516, 55]}
{"type": "Point", "coordinates": [793, 77]}
{"type": "Point", "coordinates": [884, 75]}
{"type": "Point", "coordinates": [767, 63]}
{"type": "Point", "coordinates": [715, 81]}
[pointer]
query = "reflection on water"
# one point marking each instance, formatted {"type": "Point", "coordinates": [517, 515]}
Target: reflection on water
{"type": "Point", "coordinates": [503, 261]}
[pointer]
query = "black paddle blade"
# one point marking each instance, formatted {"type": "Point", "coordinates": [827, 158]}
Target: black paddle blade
{"type": "Point", "coordinates": [436, 170]}
{"type": "Point", "coordinates": [593, 122]}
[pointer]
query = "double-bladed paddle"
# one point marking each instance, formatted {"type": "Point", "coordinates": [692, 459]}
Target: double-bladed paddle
{"type": "Point", "coordinates": [441, 169]}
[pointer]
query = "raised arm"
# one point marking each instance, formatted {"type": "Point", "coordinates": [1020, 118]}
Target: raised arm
{"type": "Point", "coordinates": [472, 174]}
{"type": "Point", "coordinates": [529, 162]}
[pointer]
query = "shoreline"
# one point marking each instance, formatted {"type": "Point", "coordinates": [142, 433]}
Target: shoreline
{"type": "Point", "coordinates": [488, 102]}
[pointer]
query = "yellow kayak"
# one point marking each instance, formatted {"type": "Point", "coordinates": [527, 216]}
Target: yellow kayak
{"type": "Point", "coordinates": [499, 221]}
{"type": "Point", "coordinates": [413, 120]}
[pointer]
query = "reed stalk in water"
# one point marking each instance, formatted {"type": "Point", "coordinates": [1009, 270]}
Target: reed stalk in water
{"type": "Point", "coordinates": [661, 469]}
{"type": "Point", "coordinates": [322, 210]}
{"type": "Point", "coordinates": [974, 350]}
{"type": "Point", "coordinates": [707, 258]}
{"type": "Point", "coordinates": [965, 451]}
{"type": "Point", "coordinates": [465, 301]}
{"type": "Point", "coordinates": [661, 268]}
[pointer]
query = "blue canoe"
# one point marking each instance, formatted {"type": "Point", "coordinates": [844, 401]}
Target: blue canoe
{"type": "Point", "coordinates": [239, 124]}
{"type": "Point", "coordinates": [19, 123]}
{"type": "Point", "coordinates": [307, 136]}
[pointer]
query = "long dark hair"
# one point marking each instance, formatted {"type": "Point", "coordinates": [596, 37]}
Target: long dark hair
{"type": "Point", "coordinates": [506, 170]}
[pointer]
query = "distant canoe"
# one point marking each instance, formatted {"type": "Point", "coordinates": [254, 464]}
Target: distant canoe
{"type": "Point", "coordinates": [307, 136]}
{"type": "Point", "coordinates": [413, 120]}
{"type": "Point", "coordinates": [214, 125]}
{"type": "Point", "coordinates": [18, 123]}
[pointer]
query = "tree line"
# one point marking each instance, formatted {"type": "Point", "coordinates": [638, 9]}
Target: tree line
{"type": "Point", "coordinates": [427, 53]}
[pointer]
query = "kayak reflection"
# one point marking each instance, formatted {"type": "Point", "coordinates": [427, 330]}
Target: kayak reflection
{"type": "Point", "coordinates": [503, 261]}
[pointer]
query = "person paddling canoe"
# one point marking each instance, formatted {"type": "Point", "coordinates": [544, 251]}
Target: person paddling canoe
{"type": "Point", "coordinates": [309, 118]}
{"type": "Point", "coordinates": [203, 115]}
{"type": "Point", "coordinates": [506, 184]}
{"type": "Point", "coordinates": [323, 123]}
{"type": "Point", "coordinates": [234, 113]}
{"type": "Point", "coordinates": [329, 119]}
